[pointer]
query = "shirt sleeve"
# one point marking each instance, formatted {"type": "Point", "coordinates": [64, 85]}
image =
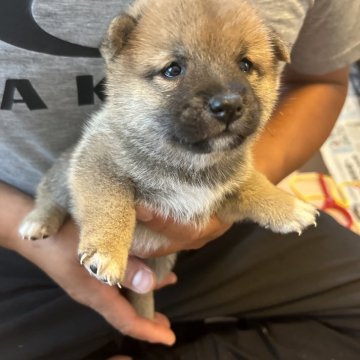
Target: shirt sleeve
{"type": "Point", "coordinates": [329, 38]}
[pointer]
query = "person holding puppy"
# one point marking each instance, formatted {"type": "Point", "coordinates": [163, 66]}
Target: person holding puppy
{"type": "Point", "coordinates": [280, 288]}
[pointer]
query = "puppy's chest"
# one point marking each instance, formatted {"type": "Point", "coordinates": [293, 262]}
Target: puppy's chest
{"type": "Point", "coordinates": [183, 201]}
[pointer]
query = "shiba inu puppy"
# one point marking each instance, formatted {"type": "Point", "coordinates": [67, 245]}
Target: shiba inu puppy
{"type": "Point", "coordinates": [190, 84]}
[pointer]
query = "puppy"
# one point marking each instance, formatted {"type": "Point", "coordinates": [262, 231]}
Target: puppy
{"type": "Point", "coordinates": [190, 84]}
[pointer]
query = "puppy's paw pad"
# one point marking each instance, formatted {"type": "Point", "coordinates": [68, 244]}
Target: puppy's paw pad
{"type": "Point", "coordinates": [33, 230]}
{"type": "Point", "coordinates": [103, 267]}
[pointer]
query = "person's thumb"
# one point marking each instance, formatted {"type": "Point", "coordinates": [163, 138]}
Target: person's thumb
{"type": "Point", "coordinates": [138, 276]}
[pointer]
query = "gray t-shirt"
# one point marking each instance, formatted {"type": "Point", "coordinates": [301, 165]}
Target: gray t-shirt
{"type": "Point", "coordinates": [50, 78]}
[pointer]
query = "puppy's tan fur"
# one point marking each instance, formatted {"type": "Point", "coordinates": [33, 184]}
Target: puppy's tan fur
{"type": "Point", "coordinates": [155, 143]}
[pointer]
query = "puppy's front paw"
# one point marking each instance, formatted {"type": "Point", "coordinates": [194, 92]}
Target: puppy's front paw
{"type": "Point", "coordinates": [297, 219]}
{"type": "Point", "coordinates": [105, 267]}
{"type": "Point", "coordinates": [38, 225]}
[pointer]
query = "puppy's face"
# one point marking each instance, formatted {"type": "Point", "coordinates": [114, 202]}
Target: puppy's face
{"type": "Point", "coordinates": [199, 76]}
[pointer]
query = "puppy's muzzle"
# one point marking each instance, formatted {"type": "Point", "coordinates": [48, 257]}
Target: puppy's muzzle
{"type": "Point", "coordinates": [215, 118]}
{"type": "Point", "coordinates": [226, 107]}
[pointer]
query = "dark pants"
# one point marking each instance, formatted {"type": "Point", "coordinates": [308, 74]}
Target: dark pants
{"type": "Point", "coordinates": [286, 297]}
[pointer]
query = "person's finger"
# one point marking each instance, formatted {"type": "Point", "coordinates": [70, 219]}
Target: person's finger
{"type": "Point", "coordinates": [190, 240]}
{"type": "Point", "coordinates": [168, 227]}
{"type": "Point", "coordinates": [138, 276]}
{"type": "Point", "coordinates": [184, 237]}
{"type": "Point", "coordinates": [213, 230]}
{"type": "Point", "coordinates": [119, 357]}
{"type": "Point", "coordinates": [141, 279]}
{"type": "Point", "coordinates": [144, 214]}
{"type": "Point", "coordinates": [121, 315]}
{"type": "Point", "coordinates": [162, 320]}
{"type": "Point", "coordinates": [170, 279]}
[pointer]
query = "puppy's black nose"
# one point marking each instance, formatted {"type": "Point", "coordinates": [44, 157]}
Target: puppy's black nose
{"type": "Point", "coordinates": [226, 107]}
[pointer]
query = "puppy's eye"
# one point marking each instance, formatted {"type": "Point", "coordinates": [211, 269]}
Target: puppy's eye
{"type": "Point", "coordinates": [173, 70]}
{"type": "Point", "coordinates": [246, 65]}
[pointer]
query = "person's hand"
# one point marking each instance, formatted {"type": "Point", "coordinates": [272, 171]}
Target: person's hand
{"type": "Point", "coordinates": [183, 237]}
{"type": "Point", "coordinates": [57, 256]}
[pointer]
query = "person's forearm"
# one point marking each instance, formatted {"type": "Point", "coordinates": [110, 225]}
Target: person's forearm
{"type": "Point", "coordinates": [301, 123]}
{"type": "Point", "coordinates": [14, 206]}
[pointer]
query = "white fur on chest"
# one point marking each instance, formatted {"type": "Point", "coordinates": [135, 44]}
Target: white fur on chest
{"type": "Point", "coordinates": [185, 202]}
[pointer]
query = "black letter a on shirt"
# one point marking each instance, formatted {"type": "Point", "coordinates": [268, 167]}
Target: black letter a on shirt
{"type": "Point", "coordinates": [29, 96]}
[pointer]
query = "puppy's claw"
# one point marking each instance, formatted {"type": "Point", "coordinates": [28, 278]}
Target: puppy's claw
{"type": "Point", "coordinates": [104, 280]}
{"type": "Point", "coordinates": [82, 257]}
{"type": "Point", "coordinates": [103, 267]}
{"type": "Point", "coordinates": [301, 216]}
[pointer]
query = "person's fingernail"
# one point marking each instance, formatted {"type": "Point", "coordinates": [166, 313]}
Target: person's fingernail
{"type": "Point", "coordinates": [144, 214]}
{"type": "Point", "coordinates": [143, 281]}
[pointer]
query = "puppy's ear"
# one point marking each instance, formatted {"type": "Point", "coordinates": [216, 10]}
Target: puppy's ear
{"type": "Point", "coordinates": [281, 49]}
{"type": "Point", "coordinates": [117, 35]}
